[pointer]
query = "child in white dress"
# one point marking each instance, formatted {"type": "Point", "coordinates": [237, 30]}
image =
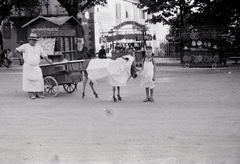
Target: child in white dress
{"type": "Point", "coordinates": [148, 74]}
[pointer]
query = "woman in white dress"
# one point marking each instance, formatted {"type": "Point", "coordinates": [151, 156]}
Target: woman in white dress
{"type": "Point", "coordinates": [32, 73]}
{"type": "Point", "coordinates": [148, 74]}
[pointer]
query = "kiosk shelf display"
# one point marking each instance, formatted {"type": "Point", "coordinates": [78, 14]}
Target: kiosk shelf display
{"type": "Point", "coordinates": [200, 46]}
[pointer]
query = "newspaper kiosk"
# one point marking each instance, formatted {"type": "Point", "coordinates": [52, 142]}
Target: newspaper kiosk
{"type": "Point", "coordinates": [60, 37]}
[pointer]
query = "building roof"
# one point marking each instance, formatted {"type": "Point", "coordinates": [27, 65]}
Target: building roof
{"type": "Point", "coordinates": [132, 1]}
{"type": "Point", "coordinates": [141, 26]}
{"type": "Point", "coordinates": [60, 20]}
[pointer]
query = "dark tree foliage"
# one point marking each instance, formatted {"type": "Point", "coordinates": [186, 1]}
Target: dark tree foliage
{"type": "Point", "coordinates": [164, 10]}
{"type": "Point", "coordinates": [29, 7]}
{"type": "Point", "coordinates": [73, 7]}
{"type": "Point", "coordinates": [177, 13]}
{"type": "Point", "coordinates": [217, 12]}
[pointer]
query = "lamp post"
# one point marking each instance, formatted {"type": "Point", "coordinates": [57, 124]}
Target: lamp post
{"type": "Point", "coordinates": [111, 32]}
{"type": "Point", "coordinates": [143, 30]}
{"type": "Point", "coordinates": [182, 3]}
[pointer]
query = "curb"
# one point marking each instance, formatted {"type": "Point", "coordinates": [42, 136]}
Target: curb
{"type": "Point", "coordinates": [168, 64]}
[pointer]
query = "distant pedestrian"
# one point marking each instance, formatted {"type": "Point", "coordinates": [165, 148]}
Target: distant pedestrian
{"type": "Point", "coordinates": [82, 54]}
{"type": "Point", "coordinates": [102, 53]}
{"type": "Point", "coordinates": [1, 56]}
{"type": "Point", "coordinates": [9, 57]}
{"type": "Point", "coordinates": [91, 54]}
{"type": "Point", "coordinates": [32, 73]}
{"type": "Point", "coordinates": [20, 55]}
{"type": "Point", "coordinates": [5, 59]}
{"type": "Point", "coordinates": [148, 74]}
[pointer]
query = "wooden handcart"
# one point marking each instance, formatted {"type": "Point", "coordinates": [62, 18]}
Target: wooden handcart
{"type": "Point", "coordinates": [67, 74]}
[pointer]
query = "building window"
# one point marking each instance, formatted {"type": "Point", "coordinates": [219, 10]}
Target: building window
{"type": "Point", "coordinates": [142, 14]}
{"type": "Point", "coordinates": [118, 11]}
{"type": "Point", "coordinates": [6, 30]}
{"type": "Point", "coordinates": [127, 8]}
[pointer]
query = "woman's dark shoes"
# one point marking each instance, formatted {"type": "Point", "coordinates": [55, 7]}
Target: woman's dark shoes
{"type": "Point", "coordinates": [32, 95]}
{"type": "Point", "coordinates": [39, 95]}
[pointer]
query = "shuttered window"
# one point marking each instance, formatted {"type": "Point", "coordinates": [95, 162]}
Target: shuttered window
{"type": "Point", "coordinates": [118, 11]}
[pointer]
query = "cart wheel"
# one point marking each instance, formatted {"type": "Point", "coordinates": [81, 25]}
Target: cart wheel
{"type": "Point", "coordinates": [50, 86]}
{"type": "Point", "coordinates": [70, 87]}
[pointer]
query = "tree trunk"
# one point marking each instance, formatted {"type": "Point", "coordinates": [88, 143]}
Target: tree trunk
{"type": "Point", "coordinates": [181, 12]}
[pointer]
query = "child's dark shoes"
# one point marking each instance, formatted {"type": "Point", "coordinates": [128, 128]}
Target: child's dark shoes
{"type": "Point", "coordinates": [146, 100]}
{"type": "Point", "coordinates": [114, 99]}
{"type": "Point", "coordinates": [119, 97]}
{"type": "Point", "coordinates": [151, 100]}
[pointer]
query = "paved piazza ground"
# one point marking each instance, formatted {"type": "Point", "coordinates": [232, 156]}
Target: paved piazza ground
{"type": "Point", "coordinates": [195, 119]}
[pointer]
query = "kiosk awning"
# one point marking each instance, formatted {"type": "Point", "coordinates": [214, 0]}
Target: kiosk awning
{"type": "Point", "coordinates": [60, 20]}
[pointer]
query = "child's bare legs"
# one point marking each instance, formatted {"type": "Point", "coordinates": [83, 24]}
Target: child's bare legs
{"type": "Point", "coordinates": [147, 94]}
{"type": "Point", "coordinates": [151, 95]}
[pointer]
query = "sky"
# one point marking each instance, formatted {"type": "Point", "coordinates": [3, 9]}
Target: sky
{"type": "Point", "coordinates": [162, 31]}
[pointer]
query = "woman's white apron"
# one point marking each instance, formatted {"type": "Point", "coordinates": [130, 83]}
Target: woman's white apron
{"type": "Point", "coordinates": [32, 73]}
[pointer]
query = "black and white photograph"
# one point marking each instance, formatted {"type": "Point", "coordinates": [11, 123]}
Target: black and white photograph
{"type": "Point", "coordinates": [119, 82]}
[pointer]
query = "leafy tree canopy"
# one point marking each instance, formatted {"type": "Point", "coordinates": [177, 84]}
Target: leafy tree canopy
{"type": "Point", "coordinates": [29, 7]}
{"type": "Point", "coordinates": [33, 7]}
{"type": "Point", "coordinates": [218, 12]}
{"type": "Point", "coordinates": [164, 10]}
{"type": "Point", "coordinates": [73, 7]}
{"type": "Point", "coordinates": [177, 13]}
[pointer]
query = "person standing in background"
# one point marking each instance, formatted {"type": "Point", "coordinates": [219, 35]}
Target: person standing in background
{"type": "Point", "coordinates": [91, 54]}
{"type": "Point", "coordinates": [9, 57]}
{"type": "Point", "coordinates": [82, 54]}
{"type": "Point", "coordinates": [1, 56]}
{"type": "Point", "coordinates": [102, 53]}
{"type": "Point", "coordinates": [4, 60]}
